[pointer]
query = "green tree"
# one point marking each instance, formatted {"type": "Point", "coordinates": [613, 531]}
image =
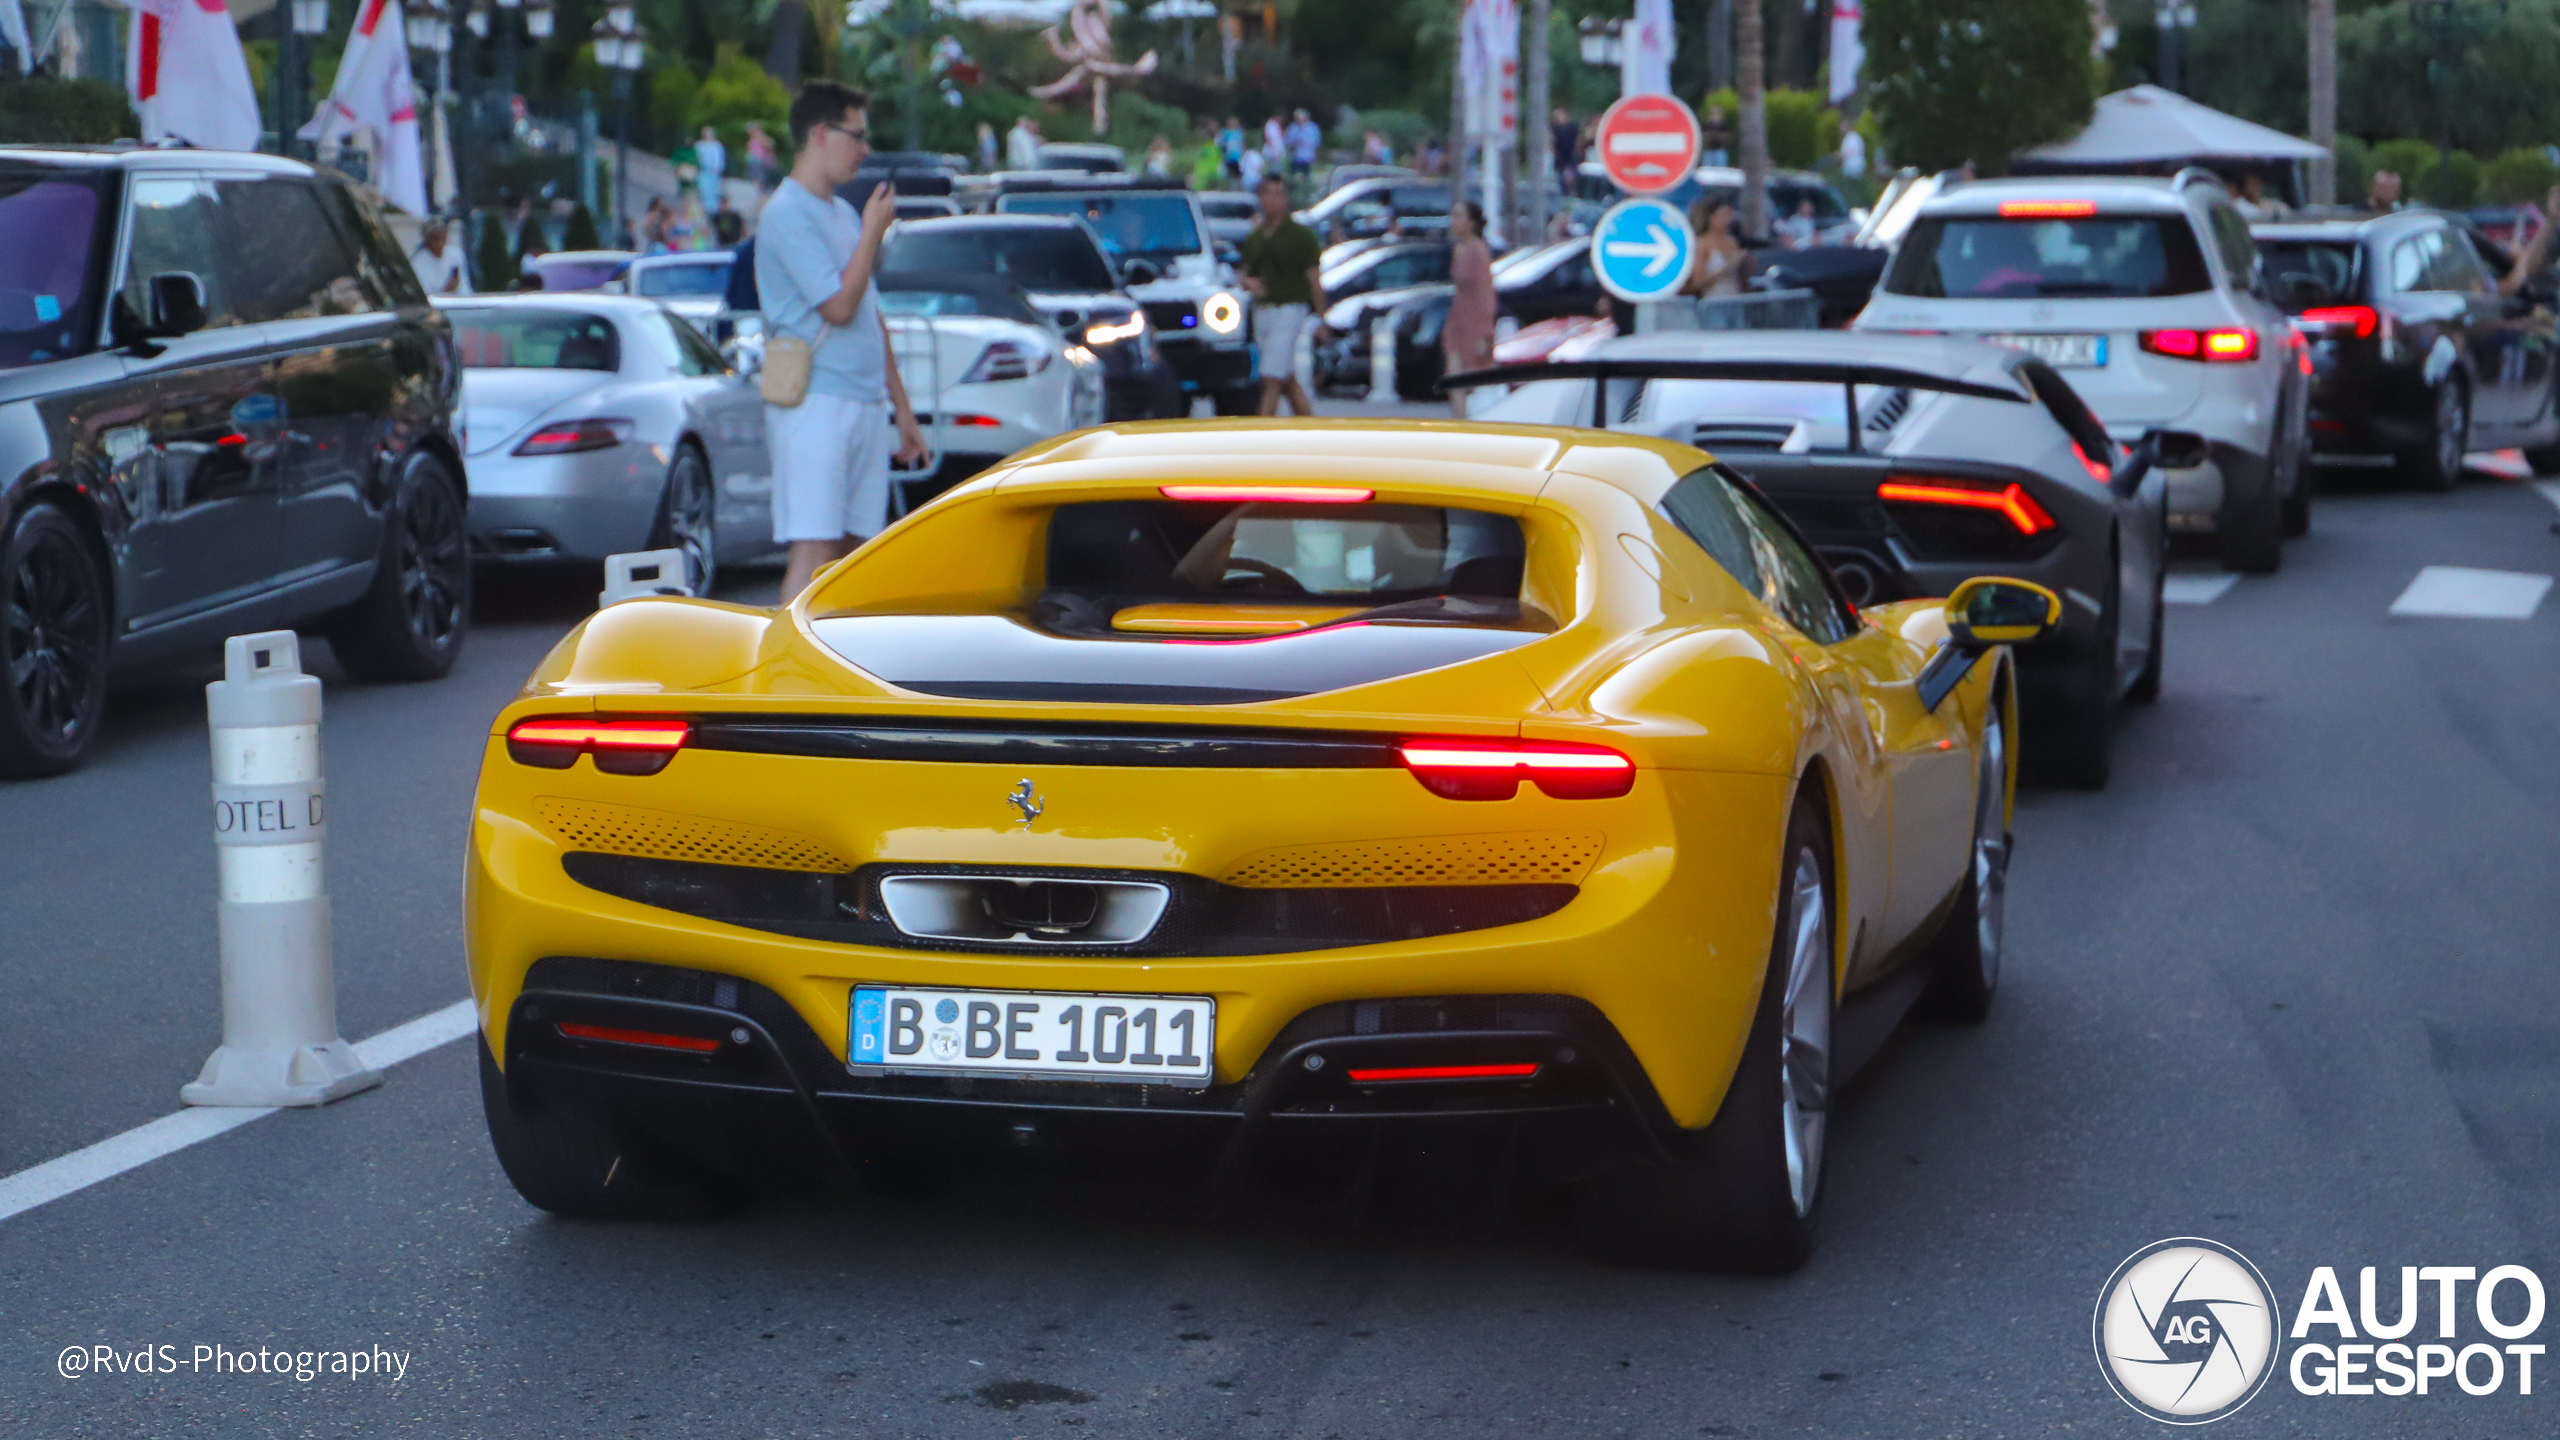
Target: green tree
{"type": "Point", "coordinates": [65, 112]}
{"type": "Point", "coordinates": [2520, 176]}
{"type": "Point", "coordinates": [1958, 80]}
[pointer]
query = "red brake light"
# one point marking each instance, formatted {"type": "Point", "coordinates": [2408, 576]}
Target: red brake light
{"type": "Point", "coordinates": [571, 437]}
{"type": "Point", "coordinates": [1446, 1072]}
{"type": "Point", "coordinates": [1493, 769]}
{"type": "Point", "coordinates": [2362, 319]}
{"type": "Point", "coordinates": [690, 1044]}
{"type": "Point", "coordinates": [2013, 503]}
{"type": "Point", "coordinates": [2229, 346]}
{"type": "Point", "coordinates": [2046, 209]}
{"type": "Point", "coordinates": [1267, 494]}
{"type": "Point", "coordinates": [621, 747]}
{"type": "Point", "coordinates": [976, 421]}
{"type": "Point", "coordinates": [2097, 472]}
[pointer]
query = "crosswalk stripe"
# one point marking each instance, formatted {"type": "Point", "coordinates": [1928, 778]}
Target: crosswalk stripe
{"type": "Point", "coordinates": [2196, 589]}
{"type": "Point", "coordinates": [2461, 593]}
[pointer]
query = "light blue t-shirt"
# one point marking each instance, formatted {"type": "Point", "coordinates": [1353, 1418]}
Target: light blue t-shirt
{"type": "Point", "coordinates": [802, 246]}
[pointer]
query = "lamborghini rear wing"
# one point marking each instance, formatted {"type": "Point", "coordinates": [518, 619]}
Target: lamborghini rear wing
{"type": "Point", "coordinates": [1848, 375]}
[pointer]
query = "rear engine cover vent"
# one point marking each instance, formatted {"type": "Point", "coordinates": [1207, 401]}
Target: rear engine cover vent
{"type": "Point", "coordinates": [1738, 435]}
{"type": "Point", "coordinates": [1522, 858]}
{"type": "Point", "coordinates": [659, 835]}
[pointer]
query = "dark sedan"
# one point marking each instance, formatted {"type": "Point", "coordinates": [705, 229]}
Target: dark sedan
{"type": "Point", "coordinates": [1543, 282]}
{"type": "Point", "coordinates": [2417, 357]}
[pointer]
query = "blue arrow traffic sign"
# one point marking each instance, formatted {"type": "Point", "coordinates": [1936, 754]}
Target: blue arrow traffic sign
{"type": "Point", "coordinates": [1642, 250]}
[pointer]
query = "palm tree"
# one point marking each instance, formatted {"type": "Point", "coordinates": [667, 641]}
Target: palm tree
{"type": "Point", "coordinates": [2324, 100]}
{"type": "Point", "coordinates": [1751, 93]}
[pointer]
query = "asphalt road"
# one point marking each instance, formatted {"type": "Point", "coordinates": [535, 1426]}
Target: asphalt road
{"type": "Point", "coordinates": [2288, 984]}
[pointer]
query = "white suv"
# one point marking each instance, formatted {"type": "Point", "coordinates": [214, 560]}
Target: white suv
{"type": "Point", "coordinates": [2147, 295]}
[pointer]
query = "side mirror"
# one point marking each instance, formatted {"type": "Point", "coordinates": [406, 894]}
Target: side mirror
{"type": "Point", "coordinates": [177, 303]}
{"type": "Point", "coordinates": [1985, 612]}
{"type": "Point", "coordinates": [1992, 610]}
{"type": "Point", "coordinates": [2301, 292]}
{"type": "Point", "coordinates": [1140, 272]}
{"type": "Point", "coordinates": [2165, 449]}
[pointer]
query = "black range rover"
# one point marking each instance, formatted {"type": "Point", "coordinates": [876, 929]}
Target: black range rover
{"type": "Point", "coordinates": [225, 406]}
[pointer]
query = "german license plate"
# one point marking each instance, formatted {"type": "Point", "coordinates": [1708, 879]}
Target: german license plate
{"type": "Point", "coordinates": [2062, 352]}
{"type": "Point", "coordinates": [1149, 1039]}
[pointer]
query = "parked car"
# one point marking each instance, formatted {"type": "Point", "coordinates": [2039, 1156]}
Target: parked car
{"type": "Point", "coordinates": [229, 408]}
{"type": "Point", "coordinates": [987, 376]}
{"type": "Point", "coordinates": [1543, 282]}
{"type": "Point", "coordinates": [1370, 207]}
{"type": "Point", "coordinates": [2146, 295]}
{"type": "Point", "coordinates": [1089, 158]}
{"type": "Point", "coordinates": [1070, 279]}
{"type": "Point", "coordinates": [579, 269]}
{"type": "Point", "coordinates": [1788, 190]}
{"type": "Point", "coordinates": [693, 284]}
{"type": "Point", "coordinates": [1967, 458]}
{"type": "Point", "coordinates": [926, 207]}
{"type": "Point", "coordinates": [2416, 358]}
{"type": "Point", "coordinates": [1842, 274]}
{"type": "Point", "coordinates": [1387, 267]}
{"type": "Point", "coordinates": [1200, 317]}
{"type": "Point", "coordinates": [1336, 177]}
{"type": "Point", "coordinates": [601, 424]}
{"type": "Point", "coordinates": [1230, 214]}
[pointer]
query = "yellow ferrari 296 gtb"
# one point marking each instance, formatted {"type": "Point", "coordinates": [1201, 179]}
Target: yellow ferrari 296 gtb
{"type": "Point", "coordinates": [1262, 783]}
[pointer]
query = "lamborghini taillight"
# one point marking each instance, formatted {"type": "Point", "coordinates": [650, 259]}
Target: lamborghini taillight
{"type": "Point", "coordinates": [1493, 769]}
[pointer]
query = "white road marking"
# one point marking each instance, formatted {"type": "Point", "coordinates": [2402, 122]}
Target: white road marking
{"type": "Point", "coordinates": [2196, 589]}
{"type": "Point", "coordinates": [2456, 592]}
{"type": "Point", "coordinates": [170, 1134]}
{"type": "Point", "coordinates": [2550, 490]}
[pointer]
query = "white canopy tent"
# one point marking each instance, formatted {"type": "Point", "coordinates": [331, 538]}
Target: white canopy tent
{"type": "Point", "coordinates": [2147, 125]}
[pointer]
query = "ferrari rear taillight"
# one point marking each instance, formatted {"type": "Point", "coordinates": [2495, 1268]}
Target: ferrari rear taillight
{"type": "Point", "coordinates": [2013, 503]}
{"type": "Point", "coordinates": [1006, 360]}
{"type": "Point", "coordinates": [621, 747]}
{"type": "Point", "coordinates": [1493, 769]}
{"type": "Point", "coordinates": [1526, 1071]}
{"type": "Point", "coordinates": [2211, 346]}
{"type": "Point", "coordinates": [570, 437]}
{"type": "Point", "coordinates": [2357, 320]}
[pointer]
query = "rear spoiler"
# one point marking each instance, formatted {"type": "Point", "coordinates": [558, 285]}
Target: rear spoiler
{"type": "Point", "coordinates": [1848, 374]}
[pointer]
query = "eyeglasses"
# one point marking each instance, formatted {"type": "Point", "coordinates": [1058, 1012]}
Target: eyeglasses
{"type": "Point", "coordinates": [861, 134]}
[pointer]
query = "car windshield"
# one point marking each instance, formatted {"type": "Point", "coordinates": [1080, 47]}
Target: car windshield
{"type": "Point", "coordinates": [931, 302]}
{"type": "Point", "coordinates": [491, 338]}
{"type": "Point", "coordinates": [576, 274]}
{"type": "Point", "coordinates": [1260, 552]}
{"type": "Point", "coordinates": [49, 282]}
{"type": "Point", "coordinates": [1034, 257]}
{"type": "Point", "coordinates": [703, 278]}
{"type": "Point", "coordinates": [2330, 265]}
{"type": "Point", "coordinates": [1961, 257]}
{"type": "Point", "coordinates": [1130, 225]}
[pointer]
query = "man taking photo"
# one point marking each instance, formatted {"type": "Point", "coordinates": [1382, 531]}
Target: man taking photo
{"type": "Point", "coordinates": [813, 264]}
{"type": "Point", "coordinates": [1280, 258]}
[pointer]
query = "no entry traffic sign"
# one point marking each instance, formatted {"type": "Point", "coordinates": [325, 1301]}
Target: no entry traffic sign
{"type": "Point", "coordinates": [1648, 143]}
{"type": "Point", "coordinates": [1642, 249]}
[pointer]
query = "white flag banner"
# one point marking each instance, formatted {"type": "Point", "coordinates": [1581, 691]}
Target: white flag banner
{"type": "Point", "coordinates": [1489, 66]}
{"type": "Point", "coordinates": [374, 94]}
{"type": "Point", "coordinates": [1848, 49]}
{"type": "Point", "coordinates": [188, 77]}
{"type": "Point", "coordinates": [1646, 49]}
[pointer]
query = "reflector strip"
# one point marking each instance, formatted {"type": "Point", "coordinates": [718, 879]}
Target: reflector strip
{"type": "Point", "coordinates": [2015, 503]}
{"type": "Point", "coordinates": [687, 1043]}
{"type": "Point", "coordinates": [1446, 1072]}
{"type": "Point", "coordinates": [1270, 494]}
{"type": "Point", "coordinates": [2046, 209]}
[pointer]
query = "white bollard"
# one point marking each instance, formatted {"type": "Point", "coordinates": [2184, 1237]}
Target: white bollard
{"type": "Point", "coordinates": [280, 1041]}
{"type": "Point", "coordinates": [643, 573]}
{"type": "Point", "coordinates": [1382, 359]}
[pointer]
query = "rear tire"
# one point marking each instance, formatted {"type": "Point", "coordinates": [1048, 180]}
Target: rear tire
{"type": "Point", "coordinates": [2253, 538]}
{"type": "Point", "coordinates": [577, 1166]}
{"type": "Point", "coordinates": [410, 625]}
{"type": "Point", "coordinates": [1745, 1193]}
{"type": "Point", "coordinates": [2297, 500]}
{"type": "Point", "coordinates": [2438, 465]}
{"type": "Point", "coordinates": [1965, 956]}
{"type": "Point", "coordinates": [54, 634]}
{"type": "Point", "coordinates": [689, 519]}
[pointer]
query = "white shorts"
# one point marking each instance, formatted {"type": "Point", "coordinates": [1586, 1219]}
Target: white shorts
{"type": "Point", "coordinates": [830, 467]}
{"type": "Point", "coordinates": [1275, 334]}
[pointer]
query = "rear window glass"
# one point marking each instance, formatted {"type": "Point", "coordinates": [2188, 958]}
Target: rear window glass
{"type": "Point", "coordinates": [2335, 268]}
{"type": "Point", "coordinates": [1266, 552]}
{"type": "Point", "coordinates": [697, 279]}
{"type": "Point", "coordinates": [1957, 257]}
{"type": "Point", "coordinates": [511, 339]}
{"type": "Point", "coordinates": [1033, 256]}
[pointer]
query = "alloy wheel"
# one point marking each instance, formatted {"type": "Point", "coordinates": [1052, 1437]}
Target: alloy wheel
{"type": "Point", "coordinates": [2452, 420]}
{"type": "Point", "coordinates": [1991, 852]}
{"type": "Point", "coordinates": [1804, 1032]}
{"type": "Point", "coordinates": [53, 638]}
{"type": "Point", "coordinates": [434, 564]}
{"type": "Point", "coordinates": [691, 526]}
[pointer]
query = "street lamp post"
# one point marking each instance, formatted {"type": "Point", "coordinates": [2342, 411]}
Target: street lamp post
{"type": "Point", "coordinates": [622, 49]}
{"type": "Point", "coordinates": [2175, 18]}
{"type": "Point", "coordinates": [430, 27]}
{"type": "Point", "coordinates": [293, 68]}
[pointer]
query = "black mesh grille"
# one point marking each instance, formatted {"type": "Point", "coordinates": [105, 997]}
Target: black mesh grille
{"type": "Point", "coordinates": [1203, 918]}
